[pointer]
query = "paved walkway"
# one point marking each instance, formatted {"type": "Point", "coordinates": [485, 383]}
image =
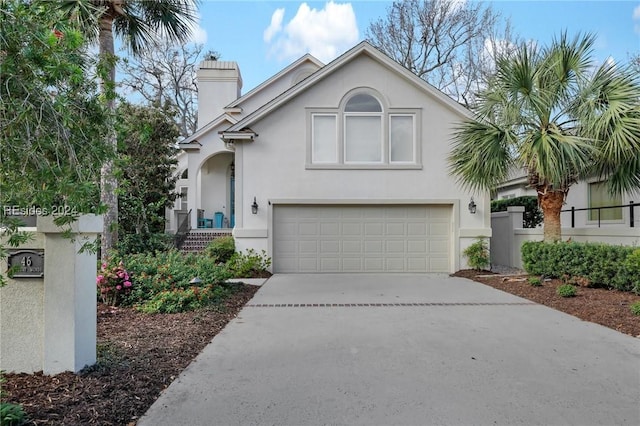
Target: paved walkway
{"type": "Point", "coordinates": [404, 350]}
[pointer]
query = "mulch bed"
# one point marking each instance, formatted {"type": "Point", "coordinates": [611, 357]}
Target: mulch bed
{"type": "Point", "coordinates": [610, 308]}
{"type": "Point", "coordinates": [139, 355]}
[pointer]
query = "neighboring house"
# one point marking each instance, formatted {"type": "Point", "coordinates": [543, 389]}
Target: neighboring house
{"type": "Point", "coordinates": [332, 168]}
{"type": "Point", "coordinates": [590, 193]}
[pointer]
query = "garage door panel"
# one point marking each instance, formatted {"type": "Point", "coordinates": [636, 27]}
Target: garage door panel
{"type": "Point", "coordinates": [374, 264]}
{"type": "Point", "coordinates": [373, 246]}
{"type": "Point", "coordinates": [374, 229]}
{"type": "Point", "coordinates": [395, 247]}
{"type": "Point", "coordinates": [352, 264]}
{"type": "Point", "coordinates": [307, 247]}
{"type": "Point", "coordinates": [416, 247]}
{"type": "Point", "coordinates": [329, 229]}
{"type": "Point", "coordinates": [417, 229]}
{"type": "Point", "coordinates": [350, 228]}
{"type": "Point", "coordinates": [362, 238]}
{"type": "Point", "coordinates": [396, 229]}
{"type": "Point", "coordinates": [351, 246]}
{"type": "Point", "coordinates": [330, 247]}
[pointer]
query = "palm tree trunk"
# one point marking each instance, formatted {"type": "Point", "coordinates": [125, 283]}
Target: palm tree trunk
{"type": "Point", "coordinates": [551, 203]}
{"type": "Point", "coordinates": [108, 181]}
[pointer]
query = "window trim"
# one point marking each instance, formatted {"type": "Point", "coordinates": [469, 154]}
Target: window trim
{"type": "Point", "coordinates": [386, 144]}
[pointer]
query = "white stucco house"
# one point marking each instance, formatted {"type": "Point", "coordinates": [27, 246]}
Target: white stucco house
{"type": "Point", "coordinates": [331, 168]}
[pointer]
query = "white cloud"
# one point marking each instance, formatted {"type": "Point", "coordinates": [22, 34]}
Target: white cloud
{"type": "Point", "coordinates": [324, 33]}
{"type": "Point", "coordinates": [636, 17]}
{"type": "Point", "coordinates": [276, 25]}
{"type": "Point", "coordinates": [198, 34]}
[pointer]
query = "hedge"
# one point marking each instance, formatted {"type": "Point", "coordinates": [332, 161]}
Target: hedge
{"type": "Point", "coordinates": [602, 264]}
{"type": "Point", "coordinates": [532, 213]}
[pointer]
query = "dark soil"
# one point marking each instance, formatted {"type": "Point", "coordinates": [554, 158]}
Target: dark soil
{"type": "Point", "coordinates": [139, 355]}
{"type": "Point", "coordinates": [610, 308]}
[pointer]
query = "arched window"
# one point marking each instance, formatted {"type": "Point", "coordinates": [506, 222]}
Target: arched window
{"type": "Point", "coordinates": [364, 132]}
{"type": "Point", "coordinates": [362, 129]}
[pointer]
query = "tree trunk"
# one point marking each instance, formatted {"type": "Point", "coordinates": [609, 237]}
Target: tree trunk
{"type": "Point", "coordinates": [551, 203]}
{"type": "Point", "coordinates": [108, 180]}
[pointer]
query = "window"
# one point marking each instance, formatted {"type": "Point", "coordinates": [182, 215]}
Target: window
{"type": "Point", "coordinates": [363, 134]}
{"type": "Point", "coordinates": [325, 138]}
{"type": "Point", "coordinates": [599, 197]}
{"type": "Point", "coordinates": [184, 197]}
{"type": "Point", "coordinates": [401, 139]}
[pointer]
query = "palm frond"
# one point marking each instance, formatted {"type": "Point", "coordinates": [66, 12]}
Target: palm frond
{"type": "Point", "coordinates": [143, 21]}
{"type": "Point", "coordinates": [480, 158]}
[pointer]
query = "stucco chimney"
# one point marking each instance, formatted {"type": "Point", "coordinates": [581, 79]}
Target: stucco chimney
{"type": "Point", "coordinates": [219, 84]}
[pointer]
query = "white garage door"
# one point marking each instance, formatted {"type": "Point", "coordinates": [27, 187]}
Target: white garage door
{"type": "Point", "coordinates": [408, 238]}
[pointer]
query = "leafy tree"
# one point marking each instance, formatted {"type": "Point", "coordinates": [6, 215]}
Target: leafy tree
{"type": "Point", "coordinates": [137, 23]}
{"type": "Point", "coordinates": [552, 111]}
{"type": "Point", "coordinates": [51, 118]}
{"type": "Point", "coordinates": [449, 43]}
{"type": "Point", "coordinates": [164, 74]}
{"type": "Point", "coordinates": [146, 140]}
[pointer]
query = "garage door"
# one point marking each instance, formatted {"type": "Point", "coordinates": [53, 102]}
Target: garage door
{"type": "Point", "coordinates": [407, 238]}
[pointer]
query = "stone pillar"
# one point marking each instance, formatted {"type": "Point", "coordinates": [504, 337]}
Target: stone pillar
{"type": "Point", "coordinates": [60, 334]}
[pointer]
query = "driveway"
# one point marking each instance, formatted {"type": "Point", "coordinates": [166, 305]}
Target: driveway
{"type": "Point", "coordinates": [404, 350]}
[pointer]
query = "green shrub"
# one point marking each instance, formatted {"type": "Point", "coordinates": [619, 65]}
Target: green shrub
{"type": "Point", "coordinates": [249, 264]}
{"type": "Point", "coordinates": [155, 276]}
{"type": "Point", "coordinates": [187, 299]}
{"type": "Point", "coordinates": [478, 254]}
{"type": "Point", "coordinates": [595, 263]}
{"type": "Point", "coordinates": [532, 213]}
{"type": "Point", "coordinates": [566, 290]}
{"type": "Point", "coordinates": [635, 308]}
{"type": "Point", "coordinates": [629, 276]}
{"type": "Point", "coordinates": [144, 243]}
{"type": "Point", "coordinates": [10, 414]}
{"type": "Point", "coordinates": [221, 249]}
{"type": "Point", "coordinates": [535, 281]}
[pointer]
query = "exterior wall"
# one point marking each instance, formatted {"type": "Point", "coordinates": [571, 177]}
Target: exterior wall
{"type": "Point", "coordinates": [508, 236]}
{"type": "Point", "coordinates": [49, 324]}
{"type": "Point", "coordinates": [219, 84]}
{"type": "Point", "coordinates": [273, 167]}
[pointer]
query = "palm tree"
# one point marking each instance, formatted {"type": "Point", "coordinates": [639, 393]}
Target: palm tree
{"type": "Point", "coordinates": [137, 23]}
{"type": "Point", "coordinates": [554, 113]}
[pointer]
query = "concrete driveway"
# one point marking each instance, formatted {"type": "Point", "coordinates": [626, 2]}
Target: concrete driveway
{"type": "Point", "coordinates": [404, 350]}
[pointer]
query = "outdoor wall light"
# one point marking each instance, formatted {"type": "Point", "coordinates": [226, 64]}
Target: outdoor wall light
{"type": "Point", "coordinates": [472, 206]}
{"type": "Point", "coordinates": [254, 206]}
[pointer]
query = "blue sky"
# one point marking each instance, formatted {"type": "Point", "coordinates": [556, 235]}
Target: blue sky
{"type": "Point", "coordinates": [265, 36]}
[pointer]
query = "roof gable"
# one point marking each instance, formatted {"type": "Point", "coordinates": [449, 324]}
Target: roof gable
{"type": "Point", "coordinates": [363, 48]}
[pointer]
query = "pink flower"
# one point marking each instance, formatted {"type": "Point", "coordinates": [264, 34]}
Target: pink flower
{"type": "Point", "coordinates": [118, 287]}
{"type": "Point", "coordinates": [100, 279]}
{"type": "Point", "coordinates": [127, 283]}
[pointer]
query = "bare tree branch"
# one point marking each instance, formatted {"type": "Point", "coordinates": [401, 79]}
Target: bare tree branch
{"type": "Point", "coordinates": [164, 74]}
{"type": "Point", "coordinates": [451, 44]}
